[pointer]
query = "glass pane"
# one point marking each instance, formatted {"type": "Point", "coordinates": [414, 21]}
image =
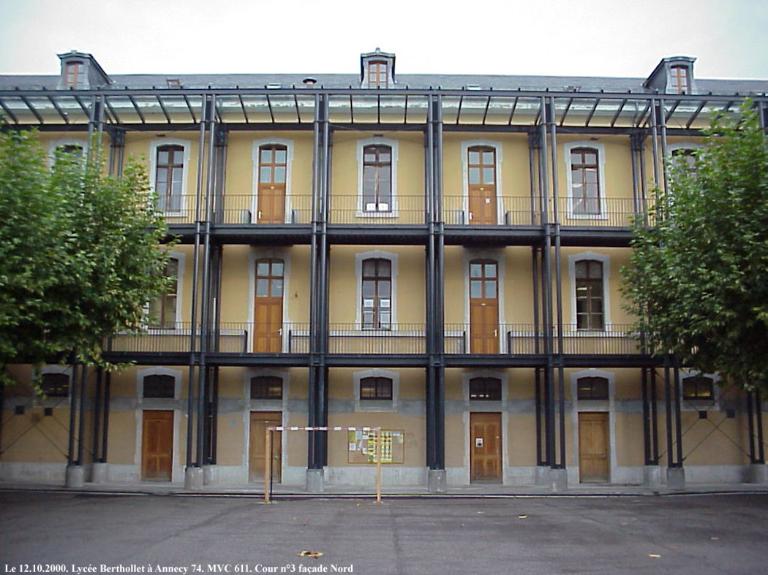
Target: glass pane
{"type": "Point", "coordinates": [176, 189]}
{"type": "Point", "coordinates": [280, 175]}
{"type": "Point", "coordinates": [266, 156]}
{"type": "Point", "coordinates": [385, 319]}
{"type": "Point", "coordinates": [281, 156]}
{"type": "Point", "coordinates": [581, 270]}
{"type": "Point", "coordinates": [277, 269]}
{"type": "Point", "coordinates": [488, 158]}
{"type": "Point", "coordinates": [265, 175]}
{"type": "Point", "coordinates": [384, 289]}
{"type": "Point", "coordinates": [162, 158]}
{"type": "Point", "coordinates": [369, 267]}
{"type": "Point", "coordinates": [368, 319]}
{"type": "Point", "coordinates": [177, 174]}
{"type": "Point", "coordinates": [277, 288]}
{"type": "Point", "coordinates": [596, 270]}
{"type": "Point", "coordinates": [368, 289]}
{"type": "Point", "coordinates": [262, 268]}
{"type": "Point", "coordinates": [490, 289]}
{"type": "Point", "coordinates": [488, 175]}
{"type": "Point", "coordinates": [474, 157]}
{"type": "Point", "coordinates": [475, 270]}
{"type": "Point", "coordinates": [490, 270]}
{"type": "Point", "coordinates": [474, 175]}
{"type": "Point", "coordinates": [162, 176]}
{"type": "Point", "coordinates": [475, 289]}
{"type": "Point", "coordinates": [384, 268]}
{"type": "Point", "coordinates": [262, 288]}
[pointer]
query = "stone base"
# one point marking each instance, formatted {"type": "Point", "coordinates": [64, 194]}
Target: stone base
{"type": "Point", "coordinates": [210, 475]}
{"type": "Point", "coordinates": [651, 476]}
{"type": "Point", "coordinates": [100, 473]}
{"type": "Point", "coordinates": [541, 476]}
{"type": "Point", "coordinates": [675, 478]}
{"type": "Point", "coordinates": [193, 478]}
{"type": "Point", "coordinates": [757, 473]}
{"type": "Point", "coordinates": [436, 481]}
{"type": "Point", "coordinates": [315, 481]}
{"type": "Point", "coordinates": [558, 479]}
{"type": "Point", "coordinates": [75, 476]}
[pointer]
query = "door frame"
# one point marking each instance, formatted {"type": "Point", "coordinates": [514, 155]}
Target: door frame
{"type": "Point", "coordinates": [176, 405]}
{"type": "Point", "coordinates": [496, 255]}
{"type": "Point", "coordinates": [593, 406]}
{"type": "Point", "coordinates": [259, 254]}
{"type": "Point", "coordinates": [251, 405]}
{"type": "Point", "coordinates": [174, 439]}
{"type": "Point", "coordinates": [497, 146]}
{"type": "Point", "coordinates": [255, 179]}
{"type": "Point", "coordinates": [485, 407]}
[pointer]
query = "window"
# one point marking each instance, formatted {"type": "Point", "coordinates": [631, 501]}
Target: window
{"type": "Point", "coordinates": [266, 387]}
{"type": "Point", "coordinates": [273, 164]}
{"type": "Point", "coordinates": [589, 295]}
{"type": "Point", "coordinates": [592, 388]}
{"type": "Point", "coordinates": [377, 178]}
{"type": "Point", "coordinates": [698, 388]}
{"type": "Point", "coordinates": [269, 278]}
{"type": "Point", "coordinates": [55, 384]}
{"type": "Point", "coordinates": [687, 155]}
{"type": "Point", "coordinates": [74, 150]}
{"type": "Point", "coordinates": [585, 181]}
{"type": "Point", "coordinates": [162, 310]}
{"type": "Point", "coordinates": [482, 166]}
{"type": "Point", "coordinates": [679, 79]}
{"type": "Point", "coordinates": [485, 389]}
{"type": "Point", "coordinates": [74, 74]}
{"type": "Point", "coordinates": [378, 74]}
{"type": "Point", "coordinates": [376, 388]}
{"type": "Point", "coordinates": [483, 279]}
{"type": "Point", "coordinates": [169, 174]}
{"type": "Point", "coordinates": [377, 294]}
{"type": "Point", "coordinates": [159, 387]}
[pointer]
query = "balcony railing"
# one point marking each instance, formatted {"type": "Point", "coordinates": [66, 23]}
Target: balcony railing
{"type": "Point", "coordinates": [598, 212]}
{"type": "Point", "coordinates": [354, 209]}
{"type": "Point", "coordinates": [250, 209]}
{"type": "Point", "coordinates": [503, 210]}
{"type": "Point", "coordinates": [522, 339]}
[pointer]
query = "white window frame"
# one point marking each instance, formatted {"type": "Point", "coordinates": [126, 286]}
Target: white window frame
{"type": "Point", "coordinates": [359, 258]}
{"type": "Point", "coordinates": [600, 148]}
{"type": "Point", "coordinates": [254, 256]}
{"type": "Point", "coordinates": [187, 147]}
{"type": "Point", "coordinates": [179, 257]}
{"type": "Point", "coordinates": [256, 160]}
{"type": "Point", "coordinates": [53, 145]}
{"type": "Point", "coordinates": [594, 405]}
{"type": "Point", "coordinates": [700, 404]}
{"type": "Point", "coordinates": [371, 405]}
{"type": "Point", "coordinates": [497, 255]}
{"type": "Point", "coordinates": [606, 261]}
{"type": "Point", "coordinates": [377, 60]}
{"type": "Point", "coordinates": [393, 146]}
{"type": "Point", "coordinates": [465, 146]}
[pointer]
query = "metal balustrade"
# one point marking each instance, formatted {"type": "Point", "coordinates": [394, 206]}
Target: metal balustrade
{"type": "Point", "coordinates": [400, 209]}
{"type": "Point", "coordinates": [504, 210]}
{"type": "Point", "coordinates": [598, 212]}
{"type": "Point", "coordinates": [250, 209]}
{"type": "Point", "coordinates": [397, 339]}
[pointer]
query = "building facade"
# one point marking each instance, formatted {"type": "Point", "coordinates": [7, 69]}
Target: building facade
{"type": "Point", "coordinates": [435, 256]}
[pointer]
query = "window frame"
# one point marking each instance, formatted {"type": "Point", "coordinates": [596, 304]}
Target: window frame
{"type": "Point", "coordinates": [394, 207]}
{"type": "Point", "coordinates": [697, 380]}
{"type": "Point", "coordinates": [159, 324]}
{"type": "Point", "coordinates": [605, 261]}
{"type": "Point", "coordinates": [381, 65]}
{"type": "Point", "coordinates": [263, 378]}
{"type": "Point", "coordinates": [376, 405]}
{"type": "Point", "coordinates": [185, 152]}
{"type": "Point", "coordinates": [466, 145]}
{"type": "Point", "coordinates": [256, 160]}
{"type": "Point", "coordinates": [149, 371]}
{"type": "Point", "coordinates": [379, 383]}
{"type": "Point", "coordinates": [80, 76]}
{"type": "Point", "coordinates": [674, 78]}
{"type": "Point", "coordinates": [599, 148]}
{"type": "Point", "coordinates": [144, 395]}
{"type": "Point", "coordinates": [592, 379]}
{"type": "Point", "coordinates": [485, 379]}
{"type": "Point", "coordinates": [393, 260]}
{"type": "Point", "coordinates": [56, 374]}
{"type": "Point", "coordinates": [54, 145]}
{"type": "Point", "coordinates": [378, 309]}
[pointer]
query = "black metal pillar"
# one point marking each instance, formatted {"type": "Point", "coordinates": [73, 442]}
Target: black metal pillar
{"type": "Point", "coordinates": [105, 426]}
{"type": "Point", "coordinates": [97, 413]}
{"type": "Point", "coordinates": [655, 150]}
{"type": "Point", "coordinates": [751, 427]}
{"type": "Point", "coordinates": [430, 266]}
{"type": "Point", "coordinates": [439, 283]}
{"type": "Point", "coordinates": [759, 423]}
{"type": "Point", "coordinates": [678, 417]}
{"type": "Point", "coordinates": [654, 420]}
{"type": "Point", "coordinates": [116, 151]}
{"type": "Point", "coordinates": [72, 415]}
{"type": "Point", "coordinates": [81, 415]}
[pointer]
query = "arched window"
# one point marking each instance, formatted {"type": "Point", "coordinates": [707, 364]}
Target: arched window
{"type": "Point", "coordinates": [159, 386]}
{"type": "Point", "coordinates": [698, 388]}
{"type": "Point", "coordinates": [377, 178]}
{"type": "Point", "coordinates": [376, 388]}
{"type": "Point", "coordinates": [585, 181]}
{"type": "Point", "coordinates": [169, 171]}
{"type": "Point", "coordinates": [162, 310]}
{"type": "Point", "coordinates": [592, 388]}
{"type": "Point", "coordinates": [485, 389]}
{"type": "Point", "coordinates": [377, 294]}
{"type": "Point", "coordinates": [266, 387]}
{"type": "Point", "coordinates": [55, 384]}
{"type": "Point", "coordinates": [590, 312]}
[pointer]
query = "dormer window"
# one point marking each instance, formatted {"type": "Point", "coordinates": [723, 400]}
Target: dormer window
{"type": "Point", "coordinates": [678, 77]}
{"type": "Point", "coordinates": [74, 74]}
{"type": "Point", "coordinates": [377, 70]}
{"type": "Point", "coordinates": [378, 74]}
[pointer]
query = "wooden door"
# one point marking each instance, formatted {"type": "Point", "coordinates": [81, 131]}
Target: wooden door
{"type": "Point", "coordinates": [482, 185]}
{"type": "Point", "coordinates": [483, 307]}
{"type": "Point", "coordinates": [157, 446]}
{"type": "Point", "coordinates": [268, 307]}
{"type": "Point", "coordinates": [273, 170]}
{"type": "Point", "coordinates": [485, 446]}
{"type": "Point", "coordinates": [260, 421]}
{"type": "Point", "coordinates": [594, 448]}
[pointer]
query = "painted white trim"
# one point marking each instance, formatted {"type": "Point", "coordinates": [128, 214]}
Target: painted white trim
{"type": "Point", "coordinates": [600, 148]}
{"type": "Point", "coordinates": [273, 253]}
{"type": "Point", "coordinates": [375, 254]}
{"type": "Point", "coordinates": [256, 161]}
{"type": "Point", "coordinates": [187, 147]}
{"type": "Point", "coordinates": [377, 404]}
{"type": "Point", "coordinates": [393, 145]}
{"type": "Point", "coordinates": [177, 472]}
{"type": "Point", "coordinates": [700, 405]}
{"type": "Point", "coordinates": [591, 406]}
{"type": "Point", "coordinates": [54, 144]}
{"type": "Point", "coordinates": [497, 255]}
{"type": "Point", "coordinates": [606, 261]}
{"type": "Point", "coordinates": [497, 146]}
{"type": "Point", "coordinates": [250, 405]}
{"type": "Point", "coordinates": [486, 407]}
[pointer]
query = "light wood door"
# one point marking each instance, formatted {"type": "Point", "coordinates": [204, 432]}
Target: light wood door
{"type": "Point", "coordinates": [273, 170]}
{"type": "Point", "coordinates": [594, 448]}
{"type": "Point", "coordinates": [268, 307]}
{"type": "Point", "coordinates": [157, 446]}
{"type": "Point", "coordinates": [483, 307]}
{"type": "Point", "coordinates": [482, 185]}
{"type": "Point", "coordinates": [485, 446]}
{"type": "Point", "coordinates": [260, 421]}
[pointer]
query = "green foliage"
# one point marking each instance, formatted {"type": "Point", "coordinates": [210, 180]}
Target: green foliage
{"type": "Point", "coordinates": [698, 279]}
{"type": "Point", "coordinates": [80, 252]}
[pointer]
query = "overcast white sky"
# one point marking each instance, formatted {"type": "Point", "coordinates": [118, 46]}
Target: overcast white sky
{"type": "Point", "coordinates": [547, 37]}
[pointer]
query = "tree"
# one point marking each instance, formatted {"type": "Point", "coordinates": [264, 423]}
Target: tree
{"type": "Point", "coordinates": [698, 278]}
{"type": "Point", "coordinates": [80, 253]}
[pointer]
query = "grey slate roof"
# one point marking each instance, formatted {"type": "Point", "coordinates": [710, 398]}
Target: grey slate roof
{"type": "Point", "coordinates": [416, 81]}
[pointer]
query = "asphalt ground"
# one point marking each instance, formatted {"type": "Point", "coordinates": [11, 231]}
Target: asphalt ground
{"type": "Point", "coordinates": [87, 534]}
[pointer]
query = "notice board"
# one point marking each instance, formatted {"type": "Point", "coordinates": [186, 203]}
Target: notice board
{"type": "Point", "coordinates": [361, 446]}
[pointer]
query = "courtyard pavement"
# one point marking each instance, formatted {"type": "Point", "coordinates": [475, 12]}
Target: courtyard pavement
{"type": "Point", "coordinates": [105, 532]}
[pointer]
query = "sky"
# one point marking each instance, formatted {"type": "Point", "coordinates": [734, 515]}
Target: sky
{"type": "Point", "coordinates": [536, 37]}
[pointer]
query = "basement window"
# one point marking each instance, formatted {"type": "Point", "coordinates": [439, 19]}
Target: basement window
{"type": "Point", "coordinates": [485, 389]}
